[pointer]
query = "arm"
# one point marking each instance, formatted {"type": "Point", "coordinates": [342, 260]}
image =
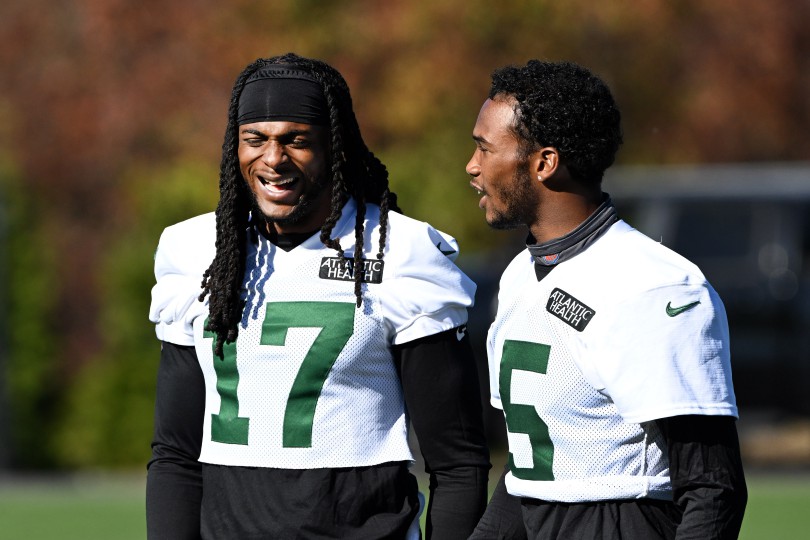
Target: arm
{"type": "Point", "coordinates": [174, 477]}
{"type": "Point", "coordinates": [707, 475]}
{"type": "Point", "coordinates": [442, 395]}
{"type": "Point", "coordinates": [503, 518]}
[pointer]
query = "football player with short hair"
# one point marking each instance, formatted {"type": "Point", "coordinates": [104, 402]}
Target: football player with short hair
{"type": "Point", "coordinates": [609, 353]}
{"type": "Point", "coordinates": [303, 325]}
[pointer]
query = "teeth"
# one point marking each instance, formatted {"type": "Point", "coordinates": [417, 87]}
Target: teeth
{"type": "Point", "coordinates": [279, 183]}
{"type": "Point", "coordinates": [479, 191]}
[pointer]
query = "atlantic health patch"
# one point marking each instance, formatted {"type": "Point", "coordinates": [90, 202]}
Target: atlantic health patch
{"type": "Point", "coordinates": [569, 310]}
{"type": "Point", "coordinates": [342, 269]}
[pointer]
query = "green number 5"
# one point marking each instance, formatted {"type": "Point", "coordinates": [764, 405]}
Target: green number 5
{"type": "Point", "coordinates": [336, 320]}
{"type": "Point", "coordinates": [523, 418]}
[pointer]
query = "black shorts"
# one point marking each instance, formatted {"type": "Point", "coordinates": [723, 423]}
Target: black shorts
{"type": "Point", "coordinates": [639, 519]}
{"type": "Point", "coordinates": [360, 502]}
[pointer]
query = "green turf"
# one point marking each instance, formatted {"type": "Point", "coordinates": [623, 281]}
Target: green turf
{"type": "Point", "coordinates": [112, 508]}
{"type": "Point", "coordinates": [778, 508]}
{"type": "Point", "coordinates": [72, 509]}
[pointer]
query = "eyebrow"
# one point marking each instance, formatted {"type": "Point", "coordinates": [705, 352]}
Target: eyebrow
{"type": "Point", "coordinates": [479, 139]}
{"type": "Point", "coordinates": [291, 133]}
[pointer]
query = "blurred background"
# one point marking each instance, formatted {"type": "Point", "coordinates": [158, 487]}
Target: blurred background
{"type": "Point", "coordinates": [112, 114]}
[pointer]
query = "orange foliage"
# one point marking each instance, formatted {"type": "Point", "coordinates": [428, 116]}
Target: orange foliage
{"type": "Point", "coordinates": [92, 89]}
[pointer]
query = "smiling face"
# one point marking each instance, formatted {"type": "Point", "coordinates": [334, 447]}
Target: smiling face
{"type": "Point", "coordinates": [286, 166]}
{"type": "Point", "coordinates": [497, 170]}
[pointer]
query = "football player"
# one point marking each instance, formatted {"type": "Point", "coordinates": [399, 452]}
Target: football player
{"type": "Point", "coordinates": [303, 326]}
{"type": "Point", "coordinates": [609, 353]}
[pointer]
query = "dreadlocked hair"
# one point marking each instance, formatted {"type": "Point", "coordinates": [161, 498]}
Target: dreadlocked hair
{"type": "Point", "coordinates": [356, 173]}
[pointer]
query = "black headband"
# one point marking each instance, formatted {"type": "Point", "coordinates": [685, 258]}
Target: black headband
{"type": "Point", "coordinates": [282, 92]}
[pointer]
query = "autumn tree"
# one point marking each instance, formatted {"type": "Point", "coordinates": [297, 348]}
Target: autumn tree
{"type": "Point", "coordinates": [112, 114]}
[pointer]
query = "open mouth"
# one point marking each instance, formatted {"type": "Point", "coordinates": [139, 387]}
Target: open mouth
{"type": "Point", "coordinates": [481, 193]}
{"type": "Point", "coordinates": [278, 185]}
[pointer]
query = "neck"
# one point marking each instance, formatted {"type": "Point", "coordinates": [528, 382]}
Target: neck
{"type": "Point", "coordinates": [561, 213]}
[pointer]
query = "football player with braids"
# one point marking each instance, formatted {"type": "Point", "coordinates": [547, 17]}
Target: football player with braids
{"type": "Point", "coordinates": [304, 326]}
{"type": "Point", "coordinates": [609, 353]}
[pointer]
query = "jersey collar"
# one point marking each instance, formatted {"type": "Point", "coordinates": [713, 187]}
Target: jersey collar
{"type": "Point", "coordinates": [549, 254]}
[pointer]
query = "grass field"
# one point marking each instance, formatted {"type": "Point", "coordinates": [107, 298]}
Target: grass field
{"type": "Point", "coordinates": [105, 507]}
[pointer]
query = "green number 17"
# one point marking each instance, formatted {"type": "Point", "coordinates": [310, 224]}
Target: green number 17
{"type": "Point", "coordinates": [336, 320]}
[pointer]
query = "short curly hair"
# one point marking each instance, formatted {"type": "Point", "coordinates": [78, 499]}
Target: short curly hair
{"type": "Point", "coordinates": [563, 105]}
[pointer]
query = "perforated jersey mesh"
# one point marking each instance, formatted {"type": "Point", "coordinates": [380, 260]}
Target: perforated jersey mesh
{"type": "Point", "coordinates": [609, 374]}
{"type": "Point", "coordinates": [274, 399]}
{"type": "Point", "coordinates": [595, 454]}
{"type": "Point", "coordinates": [359, 416]}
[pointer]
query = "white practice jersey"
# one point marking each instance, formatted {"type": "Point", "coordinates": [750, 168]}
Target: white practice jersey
{"type": "Point", "coordinates": [310, 381]}
{"type": "Point", "coordinates": [582, 362]}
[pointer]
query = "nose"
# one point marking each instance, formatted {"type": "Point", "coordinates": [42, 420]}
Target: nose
{"type": "Point", "coordinates": [473, 168]}
{"type": "Point", "coordinates": [274, 154]}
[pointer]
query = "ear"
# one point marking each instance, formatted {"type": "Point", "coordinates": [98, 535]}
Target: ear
{"type": "Point", "coordinates": [545, 162]}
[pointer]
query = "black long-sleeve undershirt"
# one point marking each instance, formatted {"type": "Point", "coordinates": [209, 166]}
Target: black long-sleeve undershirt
{"type": "Point", "coordinates": [174, 477]}
{"type": "Point", "coordinates": [706, 471]}
{"type": "Point", "coordinates": [440, 386]}
{"type": "Point", "coordinates": [442, 396]}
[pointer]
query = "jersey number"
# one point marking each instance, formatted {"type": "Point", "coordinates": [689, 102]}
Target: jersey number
{"type": "Point", "coordinates": [522, 418]}
{"type": "Point", "coordinates": [336, 321]}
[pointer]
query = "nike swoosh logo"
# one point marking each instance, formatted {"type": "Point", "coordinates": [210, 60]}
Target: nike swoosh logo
{"type": "Point", "coordinates": [674, 311]}
{"type": "Point", "coordinates": [439, 246]}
